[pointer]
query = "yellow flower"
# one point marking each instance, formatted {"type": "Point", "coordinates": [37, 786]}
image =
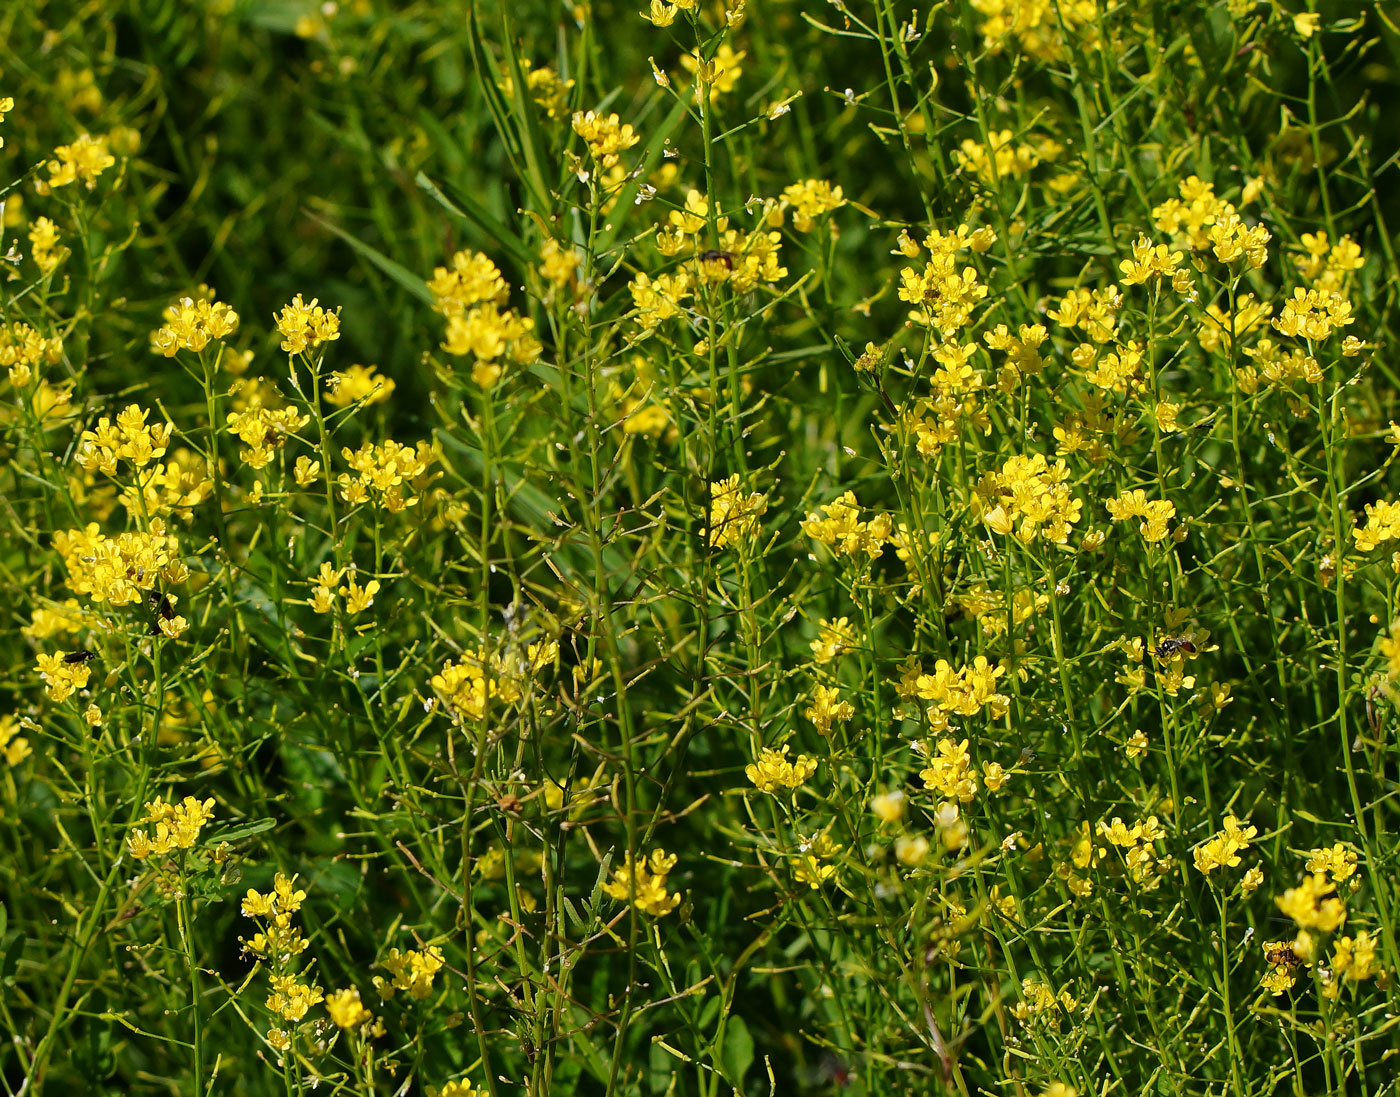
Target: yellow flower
{"type": "Point", "coordinates": [1313, 904]}
{"type": "Point", "coordinates": [358, 384]}
{"type": "Point", "coordinates": [359, 598]}
{"type": "Point", "coordinates": [13, 746]}
{"type": "Point", "coordinates": [85, 159]}
{"type": "Point", "coordinates": [827, 708]}
{"type": "Point", "coordinates": [190, 324]}
{"type": "Point", "coordinates": [346, 1009]}
{"type": "Point", "coordinates": [889, 806]}
{"type": "Point", "coordinates": [773, 771]}
{"type": "Point", "coordinates": [810, 199]}
{"type": "Point", "coordinates": [306, 326]}
{"type": "Point", "coordinates": [174, 827]}
{"type": "Point", "coordinates": [721, 72]}
{"type": "Point", "coordinates": [606, 135]}
{"type": "Point", "coordinates": [1306, 23]}
{"type": "Point", "coordinates": [733, 516]}
{"type": "Point", "coordinates": [644, 884]}
{"type": "Point", "coordinates": [1149, 261]}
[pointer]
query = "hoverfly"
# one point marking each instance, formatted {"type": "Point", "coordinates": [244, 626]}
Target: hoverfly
{"type": "Point", "coordinates": [1172, 646]}
{"type": "Point", "coordinates": [717, 255]}
{"type": "Point", "coordinates": [1281, 954]}
{"type": "Point", "coordinates": [162, 607]}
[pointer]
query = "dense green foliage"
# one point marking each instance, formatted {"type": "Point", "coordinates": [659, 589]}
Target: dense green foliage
{"type": "Point", "coordinates": [862, 564]}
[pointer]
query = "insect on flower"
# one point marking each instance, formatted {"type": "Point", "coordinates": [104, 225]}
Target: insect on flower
{"type": "Point", "coordinates": [162, 607]}
{"type": "Point", "coordinates": [1282, 954]}
{"type": "Point", "coordinates": [714, 255]}
{"type": "Point", "coordinates": [1173, 646]}
{"type": "Point", "coordinates": [80, 656]}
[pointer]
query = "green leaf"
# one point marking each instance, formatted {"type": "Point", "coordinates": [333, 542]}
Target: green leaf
{"type": "Point", "coordinates": [247, 830]}
{"type": "Point", "coordinates": [471, 210]}
{"type": "Point", "coordinates": [737, 1055]}
{"type": "Point", "coordinates": [396, 271]}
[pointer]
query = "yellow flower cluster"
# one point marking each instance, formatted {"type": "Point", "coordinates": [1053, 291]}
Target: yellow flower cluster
{"type": "Point", "coordinates": [263, 430]}
{"type": "Point", "coordinates": [1224, 849]}
{"type": "Point", "coordinates": [743, 259]}
{"type": "Point", "coordinates": [1155, 514]}
{"type": "Point", "coordinates": [472, 279]}
{"type": "Point", "coordinates": [811, 865]}
{"type": "Point", "coordinates": [471, 293]}
{"type": "Point", "coordinates": [1035, 26]}
{"type": "Point", "coordinates": [1283, 957]}
{"type": "Point", "coordinates": [1215, 330]}
{"type": "Point", "coordinates": [557, 263]}
{"type": "Point", "coordinates": [64, 672]}
{"type": "Point", "coordinates": [1001, 157]}
{"type": "Point", "coordinates": [993, 607]}
{"type": "Point", "coordinates": [544, 86]}
{"type": "Point", "coordinates": [129, 438]}
{"type": "Point", "coordinates": [950, 772]}
{"type": "Point", "coordinates": [66, 617]}
{"type": "Point", "coordinates": [117, 570]}
{"type": "Point", "coordinates": [844, 533]}
{"type": "Point", "coordinates": [327, 585]}
{"type": "Point", "coordinates": [177, 826]}
{"type": "Point", "coordinates": [641, 413]}
{"type": "Point", "coordinates": [346, 1010]}
{"type": "Point", "coordinates": [306, 326]}
{"type": "Point", "coordinates": [606, 135]}
{"type": "Point", "coordinates": [721, 72]}
{"type": "Point", "coordinates": [171, 487]}
{"type": "Point", "coordinates": [1338, 862]}
{"type": "Point", "coordinates": [23, 350]}
{"type": "Point", "coordinates": [659, 299]}
{"type": "Point", "coordinates": [381, 472]}
{"type": "Point", "coordinates": [1231, 238]}
{"type": "Point", "coordinates": [1326, 266]}
{"type": "Point", "coordinates": [833, 639]}
{"type": "Point", "coordinates": [1191, 216]}
{"type": "Point", "coordinates": [773, 771]}
{"type": "Point", "coordinates": [1354, 958]}
{"type": "Point", "coordinates": [1314, 314]}
{"type": "Point", "coordinates": [190, 324]}
{"type": "Point", "coordinates": [648, 878]}
{"type": "Point", "coordinates": [944, 296]}
{"type": "Point", "coordinates": [1022, 352]}
{"type": "Point", "coordinates": [733, 515]}
{"type": "Point", "coordinates": [1275, 367]}
{"type": "Point", "coordinates": [1138, 844]}
{"type": "Point", "coordinates": [1382, 524]}
{"type": "Point", "coordinates": [1313, 904]}
{"type": "Point", "coordinates": [1095, 312]}
{"type": "Point", "coordinates": [457, 1089]}
{"type": "Point", "coordinates": [935, 422]}
{"type": "Point", "coordinates": [412, 971]}
{"type": "Point", "coordinates": [663, 14]}
{"type": "Point", "coordinates": [44, 245]}
{"type": "Point", "coordinates": [14, 747]}
{"type": "Point", "coordinates": [279, 941]}
{"type": "Point", "coordinates": [1037, 998]}
{"type": "Point", "coordinates": [827, 709]}
{"type": "Point", "coordinates": [290, 999]}
{"type": "Point", "coordinates": [1029, 497]}
{"type": "Point", "coordinates": [1151, 261]}
{"type": "Point", "coordinates": [85, 159]}
{"type": "Point", "coordinates": [964, 691]}
{"type": "Point", "coordinates": [809, 199]}
{"type": "Point", "coordinates": [474, 683]}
